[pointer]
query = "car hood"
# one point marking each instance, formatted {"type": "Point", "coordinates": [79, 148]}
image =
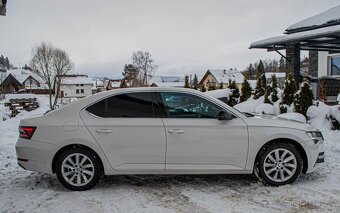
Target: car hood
{"type": "Point", "coordinates": [274, 121]}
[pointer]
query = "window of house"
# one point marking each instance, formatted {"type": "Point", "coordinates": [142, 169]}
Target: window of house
{"type": "Point", "coordinates": [77, 85]}
{"type": "Point", "coordinates": [179, 105]}
{"type": "Point", "coordinates": [82, 91]}
{"type": "Point", "coordinates": [335, 65]}
{"type": "Point", "coordinates": [81, 85]}
{"type": "Point", "coordinates": [77, 91]}
{"type": "Point", "coordinates": [132, 105]}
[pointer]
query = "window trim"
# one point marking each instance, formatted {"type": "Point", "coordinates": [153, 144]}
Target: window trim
{"type": "Point", "coordinates": [329, 61]}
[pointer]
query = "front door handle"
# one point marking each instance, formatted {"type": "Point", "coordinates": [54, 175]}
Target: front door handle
{"type": "Point", "coordinates": [103, 130]}
{"type": "Point", "coordinates": [176, 131]}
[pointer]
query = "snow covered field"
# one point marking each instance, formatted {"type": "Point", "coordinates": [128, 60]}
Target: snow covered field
{"type": "Point", "coordinates": [25, 191]}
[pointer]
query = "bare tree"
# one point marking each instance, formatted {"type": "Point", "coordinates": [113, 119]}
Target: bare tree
{"type": "Point", "coordinates": [62, 65]}
{"type": "Point", "coordinates": [144, 63]}
{"type": "Point", "coordinates": [50, 62]}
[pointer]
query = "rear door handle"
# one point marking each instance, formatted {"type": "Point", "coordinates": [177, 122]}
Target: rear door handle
{"type": "Point", "coordinates": [175, 131]}
{"type": "Point", "coordinates": [103, 130]}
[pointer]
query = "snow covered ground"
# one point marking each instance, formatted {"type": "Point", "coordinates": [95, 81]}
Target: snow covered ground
{"type": "Point", "coordinates": [25, 191]}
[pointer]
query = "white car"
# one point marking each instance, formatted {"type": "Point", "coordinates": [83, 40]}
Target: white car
{"type": "Point", "coordinates": [164, 131]}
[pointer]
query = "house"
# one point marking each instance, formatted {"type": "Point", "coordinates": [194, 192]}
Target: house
{"type": "Point", "coordinates": [320, 36]}
{"type": "Point", "coordinates": [113, 84]}
{"type": "Point", "coordinates": [166, 81]}
{"type": "Point", "coordinates": [97, 86]}
{"type": "Point", "coordinates": [20, 80]}
{"type": "Point", "coordinates": [214, 78]}
{"type": "Point", "coordinates": [75, 86]}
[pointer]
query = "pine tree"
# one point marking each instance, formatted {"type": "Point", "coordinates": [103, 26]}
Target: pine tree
{"type": "Point", "coordinates": [304, 98]}
{"type": "Point", "coordinates": [195, 82]}
{"type": "Point", "coordinates": [266, 96]}
{"type": "Point", "coordinates": [274, 96]}
{"type": "Point", "coordinates": [245, 90]}
{"type": "Point", "coordinates": [186, 82]}
{"type": "Point", "coordinates": [259, 70]}
{"type": "Point", "coordinates": [289, 90]}
{"type": "Point", "coordinates": [261, 86]}
{"type": "Point", "coordinates": [235, 94]}
{"type": "Point", "coordinates": [221, 85]}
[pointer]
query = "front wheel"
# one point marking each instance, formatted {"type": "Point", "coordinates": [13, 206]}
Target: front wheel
{"type": "Point", "coordinates": [78, 169]}
{"type": "Point", "coordinates": [279, 164]}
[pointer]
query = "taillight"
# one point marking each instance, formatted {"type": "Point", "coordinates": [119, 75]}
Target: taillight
{"type": "Point", "coordinates": [26, 131]}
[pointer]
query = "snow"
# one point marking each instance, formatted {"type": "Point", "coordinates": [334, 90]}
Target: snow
{"type": "Point", "coordinates": [331, 15]}
{"type": "Point", "coordinates": [225, 75]}
{"type": "Point", "coordinates": [219, 93]}
{"type": "Point", "coordinates": [322, 32]}
{"type": "Point", "coordinates": [20, 96]}
{"type": "Point", "coordinates": [320, 115]}
{"type": "Point", "coordinates": [26, 191]}
{"type": "Point", "coordinates": [277, 74]}
{"type": "Point", "coordinates": [338, 98]}
{"type": "Point", "coordinates": [267, 109]}
{"type": "Point", "coordinates": [21, 75]}
{"type": "Point", "coordinates": [249, 105]}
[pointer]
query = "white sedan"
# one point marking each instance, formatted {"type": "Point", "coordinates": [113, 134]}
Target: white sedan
{"type": "Point", "coordinates": [164, 131]}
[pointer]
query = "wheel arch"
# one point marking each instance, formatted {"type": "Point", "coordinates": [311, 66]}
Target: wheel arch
{"type": "Point", "coordinates": [296, 144]}
{"type": "Point", "coordinates": [72, 146]}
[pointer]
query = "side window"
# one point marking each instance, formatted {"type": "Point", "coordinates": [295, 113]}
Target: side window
{"type": "Point", "coordinates": [98, 108]}
{"type": "Point", "coordinates": [130, 105]}
{"type": "Point", "coordinates": [134, 105]}
{"type": "Point", "coordinates": [180, 105]}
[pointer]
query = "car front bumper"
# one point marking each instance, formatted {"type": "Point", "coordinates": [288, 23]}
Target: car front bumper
{"type": "Point", "coordinates": [35, 156]}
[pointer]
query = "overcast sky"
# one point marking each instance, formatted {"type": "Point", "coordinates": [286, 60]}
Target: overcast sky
{"type": "Point", "coordinates": [183, 36]}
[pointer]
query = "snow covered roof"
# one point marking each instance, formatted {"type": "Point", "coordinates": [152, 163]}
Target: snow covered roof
{"type": "Point", "coordinates": [329, 17]}
{"type": "Point", "coordinates": [225, 75]}
{"type": "Point", "coordinates": [76, 80]}
{"type": "Point", "coordinates": [21, 75]}
{"type": "Point", "coordinates": [277, 74]}
{"type": "Point", "coordinates": [319, 33]}
{"type": "Point", "coordinates": [115, 84]}
{"type": "Point", "coordinates": [168, 84]}
{"type": "Point", "coordinates": [282, 40]}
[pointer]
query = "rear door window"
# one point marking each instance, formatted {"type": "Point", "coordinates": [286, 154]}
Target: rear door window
{"type": "Point", "coordinates": [129, 105]}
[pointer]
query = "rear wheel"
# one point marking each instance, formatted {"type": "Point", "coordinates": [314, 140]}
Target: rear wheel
{"type": "Point", "coordinates": [78, 169]}
{"type": "Point", "coordinates": [279, 164]}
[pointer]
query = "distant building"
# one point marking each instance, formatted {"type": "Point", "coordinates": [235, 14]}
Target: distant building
{"type": "Point", "coordinates": [280, 76]}
{"type": "Point", "coordinates": [113, 84]}
{"type": "Point", "coordinates": [20, 80]}
{"type": "Point", "coordinates": [97, 86]}
{"type": "Point", "coordinates": [166, 81]}
{"type": "Point", "coordinates": [217, 77]}
{"type": "Point", "coordinates": [75, 86]}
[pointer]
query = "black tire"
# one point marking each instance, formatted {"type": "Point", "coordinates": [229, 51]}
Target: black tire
{"type": "Point", "coordinates": [265, 173]}
{"type": "Point", "coordinates": [92, 158]}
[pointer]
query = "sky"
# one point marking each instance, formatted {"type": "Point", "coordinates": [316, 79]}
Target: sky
{"type": "Point", "coordinates": [183, 36]}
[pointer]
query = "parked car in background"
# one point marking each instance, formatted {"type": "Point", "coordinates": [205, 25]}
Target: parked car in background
{"type": "Point", "coordinates": [164, 131]}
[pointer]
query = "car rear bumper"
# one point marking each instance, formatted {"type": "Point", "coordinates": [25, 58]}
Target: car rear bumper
{"type": "Point", "coordinates": [35, 156]}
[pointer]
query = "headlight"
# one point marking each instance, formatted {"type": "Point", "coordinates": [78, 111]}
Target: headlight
{"type": "Point", "coordinates": [316, 136]}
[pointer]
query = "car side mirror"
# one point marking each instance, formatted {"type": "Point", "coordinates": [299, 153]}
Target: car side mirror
{"type": "Point", "coordinates": [223, 115]}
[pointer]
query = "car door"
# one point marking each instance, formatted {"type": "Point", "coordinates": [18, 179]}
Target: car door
{"type": "Point", "coordinates": [196, 140]}
{"type": "Point", "coordinates": [129, 131]}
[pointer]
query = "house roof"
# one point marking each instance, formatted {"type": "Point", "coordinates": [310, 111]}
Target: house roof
{"type": "Point", "coordinates": [327, 18]}
{"type": "Point", "coordinates": [319, 33]}
{"type": "Point", "coordinates": [168, 84]}
{"type": "Point", "coordinates": [21, 75]}
{"type": "Point", "coordinates": [224, 76]}
{"type": "Point", "coordinates": [76, 80]}
{"type": "Point", "coordinates": [277, 74]}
